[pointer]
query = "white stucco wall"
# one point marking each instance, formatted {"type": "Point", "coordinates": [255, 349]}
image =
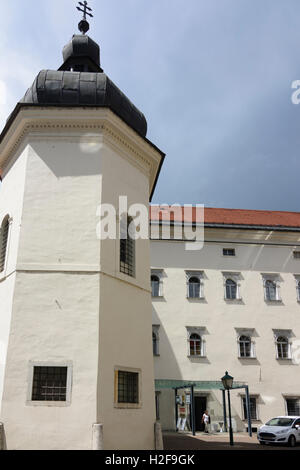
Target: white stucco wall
{"type": "Point", "coordinates": [268, 378]}
{"type": "Point", "coordinates": [11, 203]}
{"type": "Point", "coordinates": [69, 293]}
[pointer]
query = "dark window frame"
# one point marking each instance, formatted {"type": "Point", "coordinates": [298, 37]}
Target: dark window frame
{"type": "Point", "coordinates": [128, 387]}
{"type": "Point", "coordinates": [127, 248]}
{"type": "Point", "coordinates": [49, 384]}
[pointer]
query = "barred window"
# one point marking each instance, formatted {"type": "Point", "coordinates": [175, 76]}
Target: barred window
{"type": "Point", "coordinates": [245, 345]}
{"type": "Point", "coordinates": [194, 288]}
{"type": "Point", "coordinates": [253, 408]}
{"type": "Point", "coordinates": [49, 383]}
{"type": "Point", "coordinates": [283, 349]}
{"type": "Point", "coordinates": [228, 252]}
{"type": "Point", "coordinates": [128, 387]}
{"type": "Point", "coordinates": [3, 242]}
{"type": "Point", "coordinates": [127, 247]}
{"type": "Point", "coordinates": [293, 406]}
{"type": "Point", "coordinates": [195, 345]}
{"type": "Point", "coordinates": [231, 289]}
{"type": "Point", "coordinates": [155, 286]}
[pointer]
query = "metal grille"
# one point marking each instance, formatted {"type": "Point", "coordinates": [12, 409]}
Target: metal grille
{"type": "Point", "coordinates": [194, 288]}
{"type": "Point", "coordinates": [128, 387]}
{"type": "Point", "coordinates": [49, 384]}
{"type": "Point", "coordinates": [253, 408]}
{"type": "Point", "coordinates": [3, 242]}
{"type": "Point", "coordinates": [127, 248]}
{"type": "Point", "coordinates": [267, 435]}
{"type": "Point", "coordinates": [228, 252]}
{"type": "Point", "coordinates": [293, 406]}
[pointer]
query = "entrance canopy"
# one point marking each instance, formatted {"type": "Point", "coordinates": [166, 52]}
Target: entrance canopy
{"type": "Point", "coordinates": [198, 384]}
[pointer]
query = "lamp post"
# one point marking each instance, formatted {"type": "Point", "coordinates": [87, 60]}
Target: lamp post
{"type": "Point", "coordinates": [227, 384]}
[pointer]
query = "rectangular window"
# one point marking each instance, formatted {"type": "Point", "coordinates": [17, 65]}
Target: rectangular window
{"type": "Point", "coordinates": [157, 394]}
{"type": "Point", "coordinates": [228, 252]}
{"type": "Point", "coordinates": [127, 248]}
{"type": "Point", "coordinates": [128, 387]}
{"type": "Point", "coordinates": [296, 254]}
{"type": "Point", "coordinates": [253, 408]}
{"type": "Point", "coordinates": [293, 406]}
{"type": "Point", "coordinates": [49, 383]}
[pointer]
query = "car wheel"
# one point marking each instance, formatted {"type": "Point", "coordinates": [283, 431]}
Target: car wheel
{"type": "Point", "coordinates": [292, 441]}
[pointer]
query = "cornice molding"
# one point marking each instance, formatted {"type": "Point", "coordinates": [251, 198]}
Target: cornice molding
{"type": "Point", "coordinates": [42, 123]}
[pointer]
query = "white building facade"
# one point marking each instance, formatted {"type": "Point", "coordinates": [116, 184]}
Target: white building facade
{"type": "Point", "coordinates": [231, 306]}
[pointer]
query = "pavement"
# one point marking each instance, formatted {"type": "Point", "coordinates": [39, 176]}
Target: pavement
{"type": "Point", "coordinates": [217, 441]}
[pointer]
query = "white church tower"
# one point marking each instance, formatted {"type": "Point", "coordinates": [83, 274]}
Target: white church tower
{"type": "Point", "coordinates": [76, 361]}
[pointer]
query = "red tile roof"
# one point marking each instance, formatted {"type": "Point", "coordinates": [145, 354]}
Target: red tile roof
{"type": "Point", "coordinates": [229, 216]}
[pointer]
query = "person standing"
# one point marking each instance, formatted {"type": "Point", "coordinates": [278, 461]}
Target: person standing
{"type": "Point", "coordinates": [206, 421]}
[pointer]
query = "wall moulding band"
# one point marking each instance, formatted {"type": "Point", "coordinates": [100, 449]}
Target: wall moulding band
{"type": "Point", "coordinates": [44, 122]}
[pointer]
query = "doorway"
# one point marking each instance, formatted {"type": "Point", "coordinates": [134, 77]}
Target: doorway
{"type": "Point", "coordinates": [200, 407]}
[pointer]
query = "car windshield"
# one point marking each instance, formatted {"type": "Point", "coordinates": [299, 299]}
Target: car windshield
{"type": "Point", "coordinates": [280, 422]}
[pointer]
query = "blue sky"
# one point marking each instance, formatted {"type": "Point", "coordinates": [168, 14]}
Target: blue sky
{"type": "Point", "coordinates": [213, 78]}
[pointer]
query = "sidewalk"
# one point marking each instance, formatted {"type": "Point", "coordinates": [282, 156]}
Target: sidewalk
{"type": "Point", "coordinates": [218, 441]}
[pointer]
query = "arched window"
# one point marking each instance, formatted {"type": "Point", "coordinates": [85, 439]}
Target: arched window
{"type": "Point", "coordinates": [271, 290]}
{"type": "Point", "coordinates": [283, 347]}
{"type": "Point", "coordinates": [155, 344]}
{"type": "Point", "coordinates": [194, 288]}
{"type": "Point", "coordinates": [231, 289]}
{"type": "Point", "coordinates": [155, 286]}
{"type": "Point", "coordinates": [195, 345]}
{"type": "Point", "coordinates": [3, 242]}
{"type": "Point", "coordinates": [245, 346]}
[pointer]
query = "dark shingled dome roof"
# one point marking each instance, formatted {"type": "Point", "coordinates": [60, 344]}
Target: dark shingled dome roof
{"type": "Point", "coordinates": [81, 82]}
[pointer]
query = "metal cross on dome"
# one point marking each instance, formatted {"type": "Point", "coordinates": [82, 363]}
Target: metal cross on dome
{"type": "Point", "coordinates": [84, 10]}
{"type": "Point", "coordinates": [84, 25]}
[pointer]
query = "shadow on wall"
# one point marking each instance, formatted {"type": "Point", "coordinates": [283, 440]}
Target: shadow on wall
{"type": "Point", "coordinates": [61, 158]}
{"type": "Point", "coordinates": [250, 258]}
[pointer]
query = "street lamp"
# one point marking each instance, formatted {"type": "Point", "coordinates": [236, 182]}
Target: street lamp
{"type": "Point", "coordinates": [227, 381]}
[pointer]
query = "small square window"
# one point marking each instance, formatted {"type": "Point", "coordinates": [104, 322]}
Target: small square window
{"type": "Point", "coordinates": [296, 254]}
{"type": "Point", "coordinates": [228, 252]}
{"type": "Point", "coordinates": [128, 387]}
{"type": "Point", "coordinates": [49, 383]}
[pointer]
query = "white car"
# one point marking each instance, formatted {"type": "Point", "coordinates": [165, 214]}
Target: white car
{"type": "Point", "coordinates": [280, 430]}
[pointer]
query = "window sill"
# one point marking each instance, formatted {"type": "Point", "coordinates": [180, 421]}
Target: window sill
{"type": "Point", "coordinates": [284, 359]}
{"type": "Point", "coordinates": [195, 298]}
{"type": "Point", "coordinates": [247, 357]}
{"type": "Point", "coordinates": [58, 404]}
{"type": "Point", "coordinates": [128, 406]}
{"type": "Point", "coordinates": [197, 357]}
